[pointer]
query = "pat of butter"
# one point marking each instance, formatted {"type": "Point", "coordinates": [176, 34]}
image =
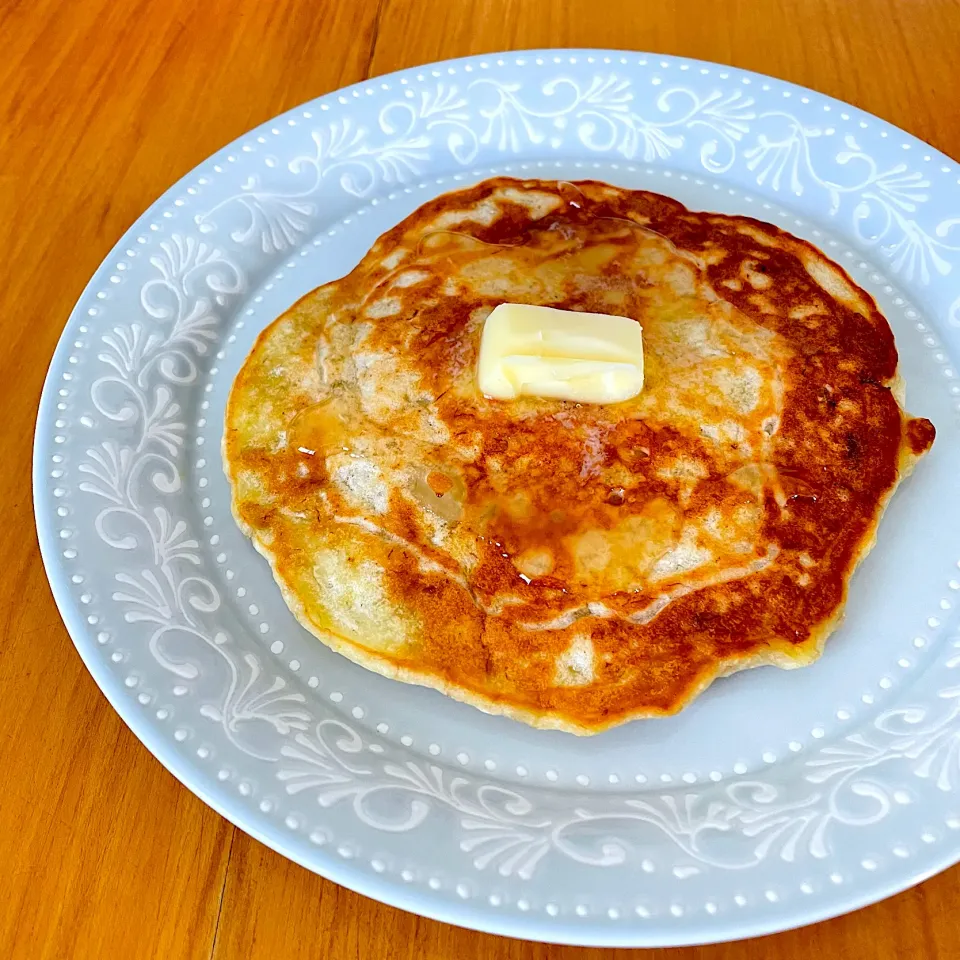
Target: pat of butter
{"type": "Point", "coordinates": [530, 351]}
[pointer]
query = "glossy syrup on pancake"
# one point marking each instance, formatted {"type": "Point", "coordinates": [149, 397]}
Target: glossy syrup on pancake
{"type": "Point", "coordinates": [572, 565]}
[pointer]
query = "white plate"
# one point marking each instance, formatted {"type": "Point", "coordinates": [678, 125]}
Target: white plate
{"type": "Point", "coordinates": [777, 798]}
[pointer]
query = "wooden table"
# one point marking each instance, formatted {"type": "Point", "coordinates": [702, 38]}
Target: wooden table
{"type": "Point", "coordinates": [104, 105]}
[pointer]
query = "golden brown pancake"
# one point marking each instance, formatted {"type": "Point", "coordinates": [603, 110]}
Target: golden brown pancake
{"type": "Point", "coordinates": [572, 566]}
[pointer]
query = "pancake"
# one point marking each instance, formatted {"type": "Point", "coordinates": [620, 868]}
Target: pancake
{"type": "Point", "coordinates": [573, 566]}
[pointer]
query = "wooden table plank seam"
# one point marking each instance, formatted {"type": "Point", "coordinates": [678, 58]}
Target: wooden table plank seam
{"type": "Point", "coordinates": [222, 892]}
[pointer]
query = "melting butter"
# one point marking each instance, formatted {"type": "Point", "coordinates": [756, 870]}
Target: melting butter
{"type": "Point", "coordinates": [532, 351]}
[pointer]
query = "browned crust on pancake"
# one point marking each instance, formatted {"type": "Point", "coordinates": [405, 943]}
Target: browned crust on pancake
{"type": "Point", "coordinates": [842, 446]}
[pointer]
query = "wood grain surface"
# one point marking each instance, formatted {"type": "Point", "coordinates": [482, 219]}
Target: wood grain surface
{"type": "Point", "coordinates": [104, 104]}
